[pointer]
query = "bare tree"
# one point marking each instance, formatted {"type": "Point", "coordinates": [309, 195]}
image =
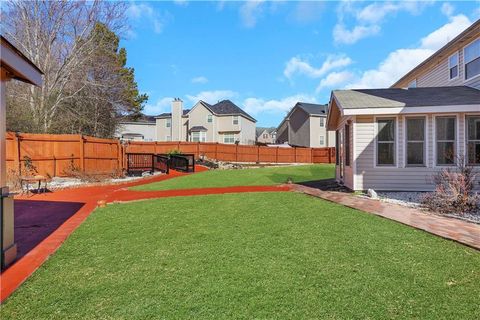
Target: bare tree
{"type": "Point", "coordinates": [58, 37]}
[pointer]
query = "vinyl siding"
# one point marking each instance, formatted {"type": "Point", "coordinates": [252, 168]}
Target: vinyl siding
{"type": "Point", "coordinates": [147, 130]}
{"type": "Point", "coordinates": [400, 177]}
{"type": "Point", "coordinates": [348, 179]}
{"type": "Point", "coordinates": [299, 129]}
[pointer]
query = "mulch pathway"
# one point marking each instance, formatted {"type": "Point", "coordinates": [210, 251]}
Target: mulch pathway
{"type": "Point", "coordinates": [454, 229]}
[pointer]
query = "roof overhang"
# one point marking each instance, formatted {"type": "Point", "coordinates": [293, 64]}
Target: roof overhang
{"type": "Point", "coordinates": [409, 110]}
{"type": "Point", "coordinates": [17, 65]}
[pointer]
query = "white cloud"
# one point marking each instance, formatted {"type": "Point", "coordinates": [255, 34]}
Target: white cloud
{"type": "Point", "coordinates": [143, 11]}
{"type": "Point", "coordinates": [307, 11]}
{"type": "Point", "coordinates": [250, 11]}
{"type": "Point", "coordinates": [401, 61]}
{"type": "Point", "coordinates": [257, 105]}
{"type": "Point", "coordinates": [447, 9]}
{"type": "Point", "coordinates": [335, 79]}
{"type": "Point", "coordinates": [342, 35]}
{"type": "Point", "coordinates": [200, 79]}
{"type": "Point", "coordinates": [368, 19]}
{"type": "Point", "coordinates": [212, 96]}
{"type": "Point", "coordinates": [297, 65]}
{"type": "Point", "coordinates": [162, 105]}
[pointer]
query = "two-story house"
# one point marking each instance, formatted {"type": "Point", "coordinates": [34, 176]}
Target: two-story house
{"type": "Point", "coordinates": [266, 135]}
{"type": "Point", "coordinates": [397, 138]}
{"type": "Point", "coordinates": [305, 126]}
{"type": "Point", "coordinates": [141, 129]}
{"type": "Point", "coordinates": [223, 122]}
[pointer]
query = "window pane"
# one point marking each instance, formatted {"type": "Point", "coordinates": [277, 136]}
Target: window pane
{"type": "Point", "coordinates": [453, 60]}
{"type": "Point", "coordinates": [445, 153]}
{"type": "Point", "coordinates": [472, 51]}
{"type": "Point", "coordinates": [415, 153]}
{"type": "Point", "coordinates": [385, 153]}
{"type": "Point", "coordinates": [445, 128]}
{"type": "Point", "coordinates": [473, 153]}
{"type": "Point", "coordinates": [473, 128]}
{"type": "Point", "coordinates": [453, 72]}
{"type": "Point", "coordinates": [415, 129]}
{"type": "Point", "coordinates": [472, 69]}
{"type": "Point", "coordinates": [386, 130]}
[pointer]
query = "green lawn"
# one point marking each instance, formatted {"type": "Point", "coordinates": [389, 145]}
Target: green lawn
{"type": "Point", "coordinates": [246, 256]}
{"type": "Point", "coordinates": [244, 177]}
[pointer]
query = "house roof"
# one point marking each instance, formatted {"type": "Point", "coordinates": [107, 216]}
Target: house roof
{"type": "Point", "coordinates": [18, 65]}
{"type": "Point", "coordinates": [142, 119]}
{"type": "Point", "coordinates": [169, 114]}
{"type": "Point", "coordinates": [227, 107]}
{"type": "Point", "coordinates": [198, 128]}
{"type": "Point", "coordinates": [312, 108]}
{"type": "Point", "coordinates": [467, 35]}
{"type": "Point", "coordinates": [411, 97]}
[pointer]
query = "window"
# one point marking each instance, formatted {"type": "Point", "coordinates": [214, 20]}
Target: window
{"type": "Point", "coordinates": [322, 122]}
{"type": "Point", "coordinates": [453, 66]}
{"type": "Point", "coordinates": [235, 119]}
{"type": "Point", "coordinates": [229, 138]}
{"type": "Point", "coordinates": [168, 122]}
{"type": "Point", "coordinates": [209, 118]}
{"type": "Point", "coordinates": [265, 136]}
{"type": "Point", "coordinates": [413, 84]}
{"type": "Point", "coordinates": [347, 144]}
{"type": "Point", "coordinates": [322, 140]}
{"type": "Point", "coordinates": [473, 140]}
{"type": "Point", "coordinates": [168, 138]}
{"type": "Point", "coordinates": [385, 142]}
{"type": "Point", "coordinates": [415, 142]}
{"type": "Point", "coordinates": [472, 59]}
{"type": "Point", "coordinates": [198, 136]}
{"type": "Point", "coordinates": [445, 128]}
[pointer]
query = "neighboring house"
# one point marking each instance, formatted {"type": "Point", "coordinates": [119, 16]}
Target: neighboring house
{"type": "Point", "coordinates": [266, 135]}
{"type": "Point", "coordinates": [398, 138]}
{"type": "Point", "coordinates": [305, 126]}
{"type": "Point", "coordinates": [223, 122]}
{"type": "Point", "coordinates": [142, 129]}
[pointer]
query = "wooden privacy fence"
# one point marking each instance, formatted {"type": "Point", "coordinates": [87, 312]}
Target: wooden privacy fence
{"type": "Point", "coordinates": [54, 155]}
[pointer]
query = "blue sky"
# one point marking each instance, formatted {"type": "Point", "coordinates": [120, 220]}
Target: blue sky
{"type": "Point", "coordinates": [265, 56]}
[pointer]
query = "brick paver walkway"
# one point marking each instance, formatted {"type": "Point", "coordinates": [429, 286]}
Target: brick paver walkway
{"type": "Point", "coordinates": [449, 228]}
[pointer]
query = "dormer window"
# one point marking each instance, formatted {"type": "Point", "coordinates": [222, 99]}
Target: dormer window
{"type": "Point", "coordinates": [453, 66]}
{"type": "Point", "coordinates": [472, 59]}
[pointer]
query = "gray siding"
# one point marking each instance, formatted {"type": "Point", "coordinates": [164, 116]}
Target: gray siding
{"type": "Point", "coordinates": [299, 129]}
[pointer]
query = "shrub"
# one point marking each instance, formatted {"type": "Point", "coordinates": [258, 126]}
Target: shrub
{"type": "Point", "coordinates": [173, 152]}
{"type": "Point", "coordinates": [454, 190]}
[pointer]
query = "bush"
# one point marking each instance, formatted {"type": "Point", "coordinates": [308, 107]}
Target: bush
{"type": "Point", "coordinates": [454, 190]}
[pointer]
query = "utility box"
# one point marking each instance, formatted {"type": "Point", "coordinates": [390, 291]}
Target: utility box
{"type": "Point", "coordinates": [7, 235]}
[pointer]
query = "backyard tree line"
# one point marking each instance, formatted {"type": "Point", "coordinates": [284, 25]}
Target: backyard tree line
{"type": "Point", "coordinates": [87, 86]}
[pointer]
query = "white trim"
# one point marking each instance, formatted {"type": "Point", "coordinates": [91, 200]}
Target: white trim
{"type": "Point", "coordinates": [450, 67]}
{"type": "Point", "coordinates": [395, 141]}
{"type": "Point", "coordinates": [457, 134]}
{"type": "Point", "coordinates": [465, 140]}
{"type": "Point", "coordinates": [354, 153]}
{"type": "Point", "coordinates": [464, 70]}
{"type": "Point", "coordinates": [425, 139]}
{"type": "Point", "coordinates": [408, 110]}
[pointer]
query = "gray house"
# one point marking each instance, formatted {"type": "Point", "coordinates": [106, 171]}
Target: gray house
{"type": "Point", "coordinates": [141, 129]}
{"type": "Point", "coordinates": [266, 135]}
{"type": "Point", "coordinates": [398, 138]}
{"type": "Point", "coordinates": [305, 126]}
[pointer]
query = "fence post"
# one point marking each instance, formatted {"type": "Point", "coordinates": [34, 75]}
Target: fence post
{"type": "Point", "coordinates": [198, 150]}
{"type": "Point", "coordinates": [236, 152]}
{"type": "Point", "coordinates": [178, 145]}
{"type": "Point", "coordinates": [16, 156]}
{"type": "Point", "coordinates": [295, 154]}
{"type": "Point", "coordinates": [329, 155]}
{"type": "Point", "coordinates": [216, 151]}
{"type": "Point", "coordinates": [82, 153]}
{"type": "Point", "coordinates": [311, 155]}
{"type": "Point", "coordinates": [119, 155]}
{"type": "Point", "coordinates": [276, 155]}
{"type": "Point", "coordinates": [258, 154]}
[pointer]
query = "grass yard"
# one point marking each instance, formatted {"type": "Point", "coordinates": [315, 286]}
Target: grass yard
{"type": "Point", "coordinates": [245, 256]}
{"type": "Point", "coordinates": [244, 177]}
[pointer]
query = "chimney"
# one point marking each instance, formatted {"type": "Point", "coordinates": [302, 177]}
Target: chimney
{"type": "Point", "coordinates": [177, 112]}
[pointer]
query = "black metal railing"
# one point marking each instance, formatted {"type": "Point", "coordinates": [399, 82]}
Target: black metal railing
{"type": "Point", "coordinates": [141, 162]}
{"type": "Point", "coordinates": [160, 163]}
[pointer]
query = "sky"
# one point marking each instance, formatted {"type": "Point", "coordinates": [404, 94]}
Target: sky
{"type": "Point", "coordinates": [266, 56]}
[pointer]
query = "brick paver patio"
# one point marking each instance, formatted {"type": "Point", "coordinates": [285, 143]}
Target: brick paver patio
{"type": "Point", "coordinates": [449, 228]}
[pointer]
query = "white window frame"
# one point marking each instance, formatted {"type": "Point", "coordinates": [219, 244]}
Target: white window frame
{"type": "Point", "coordinates": [322, 140]}
{"type": "Point", "coordinates": [209, 118]}
{"type": "Point", "coordinates": [225, 137]}
{"type": "Point", "coordinates": [425, 142]}
{"type": "Point", "coordinates": [464, 63]}
{"type": "Point", "coordinates": [201, 136]}
{"type": "Point", "coordinates": [235, 119]}
{"type": "Point", "coordinates": [168, 122]}
{"type": "Point", "coordinates": [466, 137]}
{"type": "Point", "coordinates": [395, 148]}
{"type": "Point", "coordinates": [450, 66]}
{"type": "Point", "coordinates": [456, 146]}
{"type": "Point", "coordinates": [322, 122]}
